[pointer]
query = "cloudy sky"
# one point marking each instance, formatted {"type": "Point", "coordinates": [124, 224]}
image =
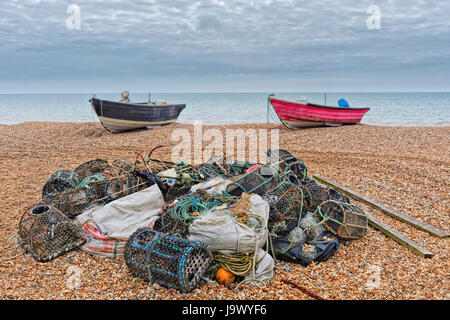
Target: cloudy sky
{"type": "Point", "coordinates": [224, 45]}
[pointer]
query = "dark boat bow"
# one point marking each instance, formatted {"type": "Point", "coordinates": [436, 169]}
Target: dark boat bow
{"type": "Point", "coordinates": [119, 117]}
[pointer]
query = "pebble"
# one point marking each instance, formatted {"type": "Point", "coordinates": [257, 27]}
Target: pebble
{"type": "Point", "coordinates": [403, 167]}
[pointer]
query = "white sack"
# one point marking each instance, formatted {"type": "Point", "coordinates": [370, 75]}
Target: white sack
{"type": "Point", "coordinates": [221, 232]}
{"type": "Point", "coordinates": [264, 267]}
{"type": "Point", "coordinates": [108, 228]}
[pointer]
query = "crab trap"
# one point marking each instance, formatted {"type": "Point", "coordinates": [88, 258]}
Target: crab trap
{"type": "Point", "coordinates": [258, 181]}
{"type": "Point", "coordinates": [175, 191]}
{"type": "Point", "coordinates": [73, 202]}
{"type": "Point", "coordinates": [315, 195]}
{"type": "Point", "coordinates": [61, 181]}
{"type": "Point", "coordinates": [92, 167]}
{"type": "Point", "coordinates": [168, 261]}
{"type": "Point", "coordinates": [168, 224]}
{"type": "Point", "coordinates": [287, 207]}
{"type": "Point", "coordinates": [342, 219]}
{"type": "Point", "coordinates": [122, 186]}
{"type": "Point", "coordinates": [45, 233]}
{"type": "Point", "coordinates": [96, 183]}
{"type": "Point", "coordinates": [287, 161]}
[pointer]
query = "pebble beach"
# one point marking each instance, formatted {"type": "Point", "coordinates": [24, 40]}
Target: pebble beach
{"type": "Point", "coordinates": [407, 168]}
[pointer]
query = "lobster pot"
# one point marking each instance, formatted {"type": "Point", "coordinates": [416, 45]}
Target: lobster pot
{"type": "Point", "coordinates": [157, 165]}
{"type": "Point", "coordinates": [315, 195]}
{"type": "Point", "coordinates": [122, 186]}
{"type": "Point", "coordinates": [287, 161]}
{"type": "Point", "coordinates": [289, 176]}
{"type": "Point", "coordinates": [92, 167]}
{"type": "Point", "coordinates": [73, 202]}
{"type": "Point", "coordinates": [120, 167]}
{"type": "Point", "coordinates": [337, 196]}
{"type": "Point", "coordinates": [299, 169]}
{"type": "Point", "coordinates": [168, 261]}
{"type": "Point", "coordinates": [209, 171]}
{"type": "Point", "coordinates": [239, 167]}
{"type": "Point", "coordinates": [96, 183]}
{"type": "Point", "coordinates": [61, 181]}
{"type": "Point", "coordinates": [258, 181]}
{"type": "Point", "coordinates": [168, 224]}
{"type": "Point", "coordinates": [344, 220]}
{"type": "Point", "coordinates": [45, 233]}
{"type": "Point", "coordinates": [286, 208]}
{"type": "Point", "coordinates": [176, 191]}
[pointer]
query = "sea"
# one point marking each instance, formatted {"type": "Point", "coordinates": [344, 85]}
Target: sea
{"type": "Point", "coordinates": [386, 108]}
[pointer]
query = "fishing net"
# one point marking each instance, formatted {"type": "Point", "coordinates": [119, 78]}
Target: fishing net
{"type": "Point", "coordinates": [92, 167]}
{"type": "Point", "coordinates": [342, 219]}
{"type": "Point", "coordinates": [61, 181]}
{"type": "Point", "coordinates": [286, 208]}
{"type": "Point", "coordinates": [166, 260]}
{"type": "Point", "coordinates": [45, 233]}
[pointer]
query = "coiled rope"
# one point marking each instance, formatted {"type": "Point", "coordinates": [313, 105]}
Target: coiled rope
{"type": "Point", "coordinates": [188, 209]}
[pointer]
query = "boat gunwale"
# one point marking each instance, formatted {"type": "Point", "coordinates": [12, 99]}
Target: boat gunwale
{"type": "Point", "coordinates": [316, 105]}
{"type": "Point", "coordinates": [140, 104]}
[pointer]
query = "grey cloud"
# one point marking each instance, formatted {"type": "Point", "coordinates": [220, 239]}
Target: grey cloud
{"type": "Point", "coordinates": [261, 38]}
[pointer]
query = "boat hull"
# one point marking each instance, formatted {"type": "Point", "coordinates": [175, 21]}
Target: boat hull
{"type": "Point", "coordinates": [301, 115]}
{"type": "Point", "coordinates": [120, 117]}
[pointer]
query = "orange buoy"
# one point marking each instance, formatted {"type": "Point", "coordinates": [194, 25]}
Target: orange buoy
{"type": "Point", "coordinates": [224, 276]}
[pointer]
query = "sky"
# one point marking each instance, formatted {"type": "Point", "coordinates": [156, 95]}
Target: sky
{"type": "Point", "coordinates": [224, 46]}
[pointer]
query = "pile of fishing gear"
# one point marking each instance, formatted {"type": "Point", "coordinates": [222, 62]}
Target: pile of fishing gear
{"type": "Point", "coordinates": [181, 225]}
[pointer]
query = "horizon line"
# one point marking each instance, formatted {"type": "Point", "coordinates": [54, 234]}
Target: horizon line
{"type": "Point", "coordinates": [213, 92]}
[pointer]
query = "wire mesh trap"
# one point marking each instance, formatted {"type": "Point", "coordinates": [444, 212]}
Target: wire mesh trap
{"type": "Point", "coordinates": [122, 186]}
{"type": "Point", "coordinates": [169, 225]}
{"type": "Point", "coordinates": [287, 161]}
{"type": "Point", "coordinates": [342, 219]}
{"type": "Point", "coordinates": [287, 206]}
{"type": "Point", "coordinates": [121, 167]}
{"type": "Point", "coordinates": [168, 261]}
{"type": "Point", "coordinates": [96, 183]}
{"type": "Point", "coordinates": [73, 202]}
{"type": "Point", "coordinates": [258, 181]}
{"type": "Point", "coordinates": [92, 168]}
{"type": "Point", "coordinates": [45, 233]}
{"type": "Point", "coordinates": [315, 195]}
{"type": "Point", "coordinates": [61, 181]}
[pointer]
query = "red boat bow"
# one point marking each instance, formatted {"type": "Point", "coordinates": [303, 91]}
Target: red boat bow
{"type": "Point", "coordinates": [306, 114]}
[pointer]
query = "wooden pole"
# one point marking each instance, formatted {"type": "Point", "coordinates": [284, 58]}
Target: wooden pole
{"type": "Point", "coordinates": [404, 241]}
{"type": "Point", "coordinates": [385, 209]}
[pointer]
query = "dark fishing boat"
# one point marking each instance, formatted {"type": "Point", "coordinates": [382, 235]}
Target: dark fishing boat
{"type": "Point", "coordinates": [125, 116]}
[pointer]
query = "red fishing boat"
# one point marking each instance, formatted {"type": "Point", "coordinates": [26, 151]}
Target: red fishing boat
{"type": "Point", "coordinates": [302, 114]}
